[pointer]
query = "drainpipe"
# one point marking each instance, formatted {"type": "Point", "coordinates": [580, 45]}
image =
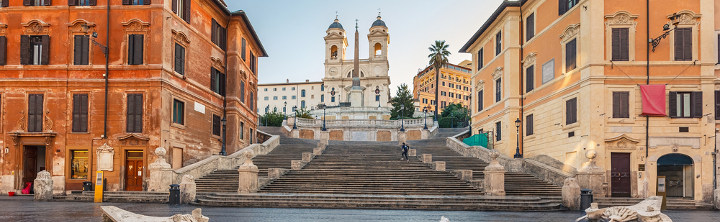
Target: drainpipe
{"type": "Point", "coordinates": [520, 85]}
{"type": "Point", "coordinates": [107, 69]}
{"type": "Point", "coordinates": [223, 149]}
{"type": "Point", "coordinates": [647, 76]}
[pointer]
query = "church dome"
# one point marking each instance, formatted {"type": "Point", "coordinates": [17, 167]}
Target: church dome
{"type": "Point", "coordinates": [336, 25]}
{"type": "Point", "coordinates": [379, 22]}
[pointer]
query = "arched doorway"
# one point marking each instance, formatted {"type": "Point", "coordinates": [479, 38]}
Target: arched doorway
{"type": "Point", "coordinates": [678, 171]}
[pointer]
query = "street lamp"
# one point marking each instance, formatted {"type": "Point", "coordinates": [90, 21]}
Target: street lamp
{"type": "Point", "coordinates": [267, 109]}
{"type": "Point", "coordinates": [295, 124]}
{"type": "Point", "coordinates": [402, 118]}
{"type": "Point", "coordinates": [517, 146]}
{"type": "Point", "coordinates": [666, 30]}
{"type": "Point", "coordinates": [323, 128]}
{"type": "Point", "coordinates": [377, 94]}
{"type": "Point", "coordinates": [285, 110]}
{"type": "Point", "coordinates": [425, 111]}
{"type": "Point", "coordinates": [223, 151]}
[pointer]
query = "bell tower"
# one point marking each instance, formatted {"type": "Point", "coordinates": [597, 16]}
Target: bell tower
{"type": "Point", "coordinates": [335, 43]}
{"type": "Point", "coordinates": [378, 40]}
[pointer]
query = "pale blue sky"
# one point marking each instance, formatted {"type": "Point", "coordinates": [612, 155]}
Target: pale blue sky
{"type": "Point", "coordinates": [292, 32]}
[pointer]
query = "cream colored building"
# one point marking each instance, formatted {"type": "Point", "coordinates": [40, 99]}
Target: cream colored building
{"type": "Point", "coordinates": [282, 97]}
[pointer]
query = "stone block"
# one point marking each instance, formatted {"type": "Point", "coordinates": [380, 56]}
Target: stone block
{"type": "Point", "coordinates": [161, 174]}
{"type": "Point", "coordinates": [427, 158]}
{"type": "Point", "coordinates": [465, 175]}
{"type": "Point", "coordinates": [188, 189]}
{"type": "Point", "coordinates": [716, 200]}
{"type": "Point", "coordinates": [515, 165]}
{"type": "Point", "coordinates": [494, 181]}
{"type": "Point", "coordinates": [412, 152]}
{"type": "Point", "coordinates": [413, 135]}
{"type": "Point", "coordinates": [307, 134]}
{"type": "Point", "coordinates": [317, 151]}
{"type": "Point", "coordinates": [307, 156]}
{"type": "Point", "coordinates": [402, 137]}
{"type": "Point", "coordinates": [43, 186]}
{"type": "Point", "coordinates": [248, 175]}
{"type": "Point", "coordinates": [274, 173]}
{"type": "Point", "coordinates": [384, 135]}
{"type": "Point", "coordinates": [439, 165]}
{"type": "Point", "coordinates": [115, 214]}
{"type": "Point", "coordinates": [571, 194]}
{"type": "Point", "coordinates": [337, 135]}
{"type": "Point", "coordinates": [296, 164]}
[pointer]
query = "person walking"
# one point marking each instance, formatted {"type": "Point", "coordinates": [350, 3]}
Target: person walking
{"type": "Point", "coordinates": [405, 149]}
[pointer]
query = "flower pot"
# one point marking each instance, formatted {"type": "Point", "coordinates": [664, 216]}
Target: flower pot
{"type": "Point", "coordinates": [11, 194]}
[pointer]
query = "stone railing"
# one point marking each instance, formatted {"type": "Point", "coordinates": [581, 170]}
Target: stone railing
{"type": "Point", "coordinates": [537, 168]}
{"type": "Point", "coordinates": [301, 122]}
{"type": "Point", "coordinates": [218, 162]}
{"type": "Point", "coordinates": [262, 136]}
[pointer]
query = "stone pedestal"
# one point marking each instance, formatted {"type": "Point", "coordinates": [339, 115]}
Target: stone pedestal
{"type": "Point", "coordinates": [324, 137]}
{"type": "Point", "coordinates": [439, 165]}
{"type": "Point", "coordinates": [296, 164]}
{"type": "Point", "coordinates": [571, 194]}
{"type": "Point", "coordinates": [591, 176]}
{"type": "Point", "coordinates": [274, 173]}
{"type": "Point", "coordinates": [465, 175]}
{"type": "Point", "coordinates": [43, 186]}
{"type": "Point", "coordinates": [161, 174]}
{"type": "Point", "coordinates": [402, 137]}
{"type": "Point", "coordinates": [307, 156]}
{"type": "Point", "coordinates": [494, 182]}
{"type": "Point", "coordinates": [412, 152]}
{"type": "Point", "coordinates": [356, 96]}
{"type": "Point", "coordinates": [248, 172]}
{"type": "Point", "coordinates": [716, 200]}
{"type": "Point", "coordinates": [427, 158]}
{"type": "Point", "coordinates": [188, 189]}
{"type": "Point", "coordinates": [317, 151]}
{"type": "Point", "coordinates": [643, 185]}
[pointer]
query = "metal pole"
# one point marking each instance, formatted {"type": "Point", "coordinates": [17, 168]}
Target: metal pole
{"type": "Point", "coordinates": [402, 118]}
{"type": "Point", "coordinates": [425, 111]}
{"type": "Point", "coordinates": [517, 145]}
{"type": "Point", "coordinates": [295, 125]}
{"type": "Point", "coordinates": [107, 69]}
{"type": "Point", "coordinates": [324, 129]}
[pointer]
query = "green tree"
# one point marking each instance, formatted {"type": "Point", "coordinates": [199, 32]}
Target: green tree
{"type": "Point", "coordinates": [303, 113]}
{"type": "Point", "coordinates": [402, 98]}
{"type": "Point", "coordinates": [272, 119]}
{"type": "Point", "coordinates": [454, 115]}
{"type": "Point", "coordinates": [438, 58]}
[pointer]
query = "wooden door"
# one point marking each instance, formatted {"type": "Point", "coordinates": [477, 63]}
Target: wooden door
{"type": "Point", "coordinates": [620, 174]}
{"type": "Point", "coordinates": [134, 171]}
{"type": "Point", "coordinates": [29, 165]}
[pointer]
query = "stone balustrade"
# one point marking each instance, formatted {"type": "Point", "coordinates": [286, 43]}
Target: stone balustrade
{"type": "Point", "coordinates": [408, 123]}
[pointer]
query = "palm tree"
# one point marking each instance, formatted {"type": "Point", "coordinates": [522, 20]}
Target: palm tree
{"type": "Point", "coordinates": [438, 59]}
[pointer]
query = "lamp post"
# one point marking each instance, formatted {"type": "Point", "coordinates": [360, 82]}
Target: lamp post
{"type": "Point", "coordinates": [285, 110]}
{"type": "Point", "coordinates": [267, 109]}
{"type": "Point", "coordinates": [517, 146]}
{"type": "Point", "coordinates": [323, 128]}
{"type": "Point", "coordinates": [666, 31]}
{"type": "Point", "coordinates": [377, 94]}
{"type": "Point", "coordinates": [223, 151]}
{"type": "Point", "coordinates": [295, 110]}
{"type": "Point", "coordinates": [402, 117]}
{"type": "Point", "coordinates": [425, 118]}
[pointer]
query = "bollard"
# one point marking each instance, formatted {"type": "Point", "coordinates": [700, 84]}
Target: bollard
{"type": "Point", "coordinates": [87, 186]}
{"type": "Point", "coordinates": [174, 194]}
{"type": "Point", "coordinates": [586, 197]}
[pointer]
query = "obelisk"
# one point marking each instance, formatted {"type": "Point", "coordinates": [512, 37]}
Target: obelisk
{"type": "Point", "coordinates": [356, 91]}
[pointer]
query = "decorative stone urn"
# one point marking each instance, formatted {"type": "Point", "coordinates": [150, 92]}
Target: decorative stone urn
{"type": "Point", "coordinates": [248, 175]}
{"type": "Point", "coordinates": [161, 174]}
{"type": "Point", "coordinates": [591, 176]}
{"type": "Point", "coordinates": [494, 181]}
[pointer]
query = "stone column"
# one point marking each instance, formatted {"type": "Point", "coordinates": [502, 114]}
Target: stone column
{"type": "Point", "coordinates": [591, 176]}
{"type": "Point", "coordinates": [402, 137]}
{"type": "Point", "coordinates": [248, 175]}
{"type": "Point", "coordinates": [161, 174]}
{"type": "Point", "coordinates": [717, 199]}
{"type": "Point", "coordinates": [494, 182]}
{"type": "Point", "coordinates": [43, 186]}
{"type": "Point", "coordinates": [188, 189]}
{"type": "Point", "coordinates": [571, 194]}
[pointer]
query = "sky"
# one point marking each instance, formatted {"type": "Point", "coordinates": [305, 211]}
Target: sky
{"type": "Point", "coordinates": [292, 32]}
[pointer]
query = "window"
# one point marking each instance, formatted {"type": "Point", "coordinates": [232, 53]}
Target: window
{"type": "Point", "coordinates": [621, 104]}
{"type": "Point", "coordinates": [683, 44]}
{"type": "Point", "coordinates": [443, 83]}
{"type": "Point", "coordinates": [216, 125]}
{"type": "Point", "coordinates": [292, 88]}
{"type": "Point", "coordinates": [3, 48]}
{"type": "Point", "coordinates": [498, 43]}
{"type": "Point", "coordinates": [136, 2]}
{"type": "Point", "coordinates": [498, 90]}
{"type": "Point", "coordinates": [620, 44]}
{"type": "Point", "coordinates": [570, 58]}
{"type": "Point", "coordinates": [332, 99]}
{"type": "Point", "coordinates": [302, 104]}
{"type": "Point", "coordinates": [242, 50]}
{"type": "Point", "coordinates": [134, 113]}
{"type": "Point", "coordinates": [275, 97]}
{"type": "Point", "coordinates": [252, 104]}
{"type": "Point", "coordinates": [322, 87]}
{"type": "Point", "coordinates": [218, 35]}
{"type": "Point", "coordinates": [685, 104]}
{"type": "Point", "coordinates": [35, 112]}
{"type": "Point", "coordinates": [530, 78]}
{"type": "Point", "coordinates": [530, 27]}
{"type": "Point", "coordinates": [377, 98]}
{"type": "Point", "coordinates": [717, 104]}
{"type": "Point", "coordinates": [182, 9]}
{"type": "Point", "coordinates": [529, 125]}
{"type": "Point", "coordinates": [294, 97]}
{"type": "Point", "coordinates": [178, 112]}
{"type": "Point", "coordinates": [481, 58]}
{"type": "Point", "coordinates": [217, 82]}
{"type": "Point", "coordinates": [265, 89]}
{"type": "Point", "coordinates": [275, 89]}
{"type": "Point", "coordinates": [79, 164]}
{"type": "Point", "coordinates": [36, 2]}
{"type": "Point", "coordinates": [283, 88]}
{"type": "Point", "coordinates": [135, 49]}
{"type": "Point", "coordinates": [35, 49]}
{"type": "Point", "coordinates": [80, 113]}
{"type": "Point", "coordinates": [571, 111]}
{"type": "Point", "coordinates": [302, 93]}
{"type": "Point", "coordinates": [4, 3]}
{"type": "Point", "coordinates": [2, 44]}
{"type": "Point", "coordinates": [242, 91]}
{"type": "Point", "coordinates": [81, 50]}
{"type": "Point", "coordinates": [267, 98]}
{"type": "Point", "coordinates": [498, 131]}
{"type": "Point", "coordinates": [565, 5]}
{"type": "Point", "coordinates": [242, 130]}
{"type": "Point", "coordinates": [253, 65]}
{"type": "Point", "coordinates": [284, 97]}
{"type": "Point", "coordinates": [82, 2]}
{"type": "Point", "coordinates": [179, 59]}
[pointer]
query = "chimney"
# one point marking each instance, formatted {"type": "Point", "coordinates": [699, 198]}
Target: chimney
{"type": "Point", "coordinates": [287, 80]}
{"type": "Point", "coordinates": [307, 80]}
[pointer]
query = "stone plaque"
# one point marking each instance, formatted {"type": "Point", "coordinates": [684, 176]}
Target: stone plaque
{"type": "Point", "coordinates": [548, 71]}
{"type": "Point", "coordinates": [359, 136]}
{"type": "Point", "coordinates": [105, 156]}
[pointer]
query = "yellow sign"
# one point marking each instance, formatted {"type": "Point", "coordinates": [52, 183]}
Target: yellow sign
{"type": "Point", "coordinates": [99, 187]}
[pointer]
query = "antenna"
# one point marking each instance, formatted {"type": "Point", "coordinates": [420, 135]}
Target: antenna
{"type": "Point", "coordinates": [336, 14]}
{"type": "Point", "coordinates": [379, 12]}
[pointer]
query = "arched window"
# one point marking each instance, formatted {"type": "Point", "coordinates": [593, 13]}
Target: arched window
{"type": "Point", "coordinates": [302, 93]}
{"type": "Point", "coordinates": [378, 49]}
{"type": "Point", "coordinates": [333, 52]}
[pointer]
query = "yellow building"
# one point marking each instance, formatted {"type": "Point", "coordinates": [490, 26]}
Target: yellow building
{"type": "Point", "coordinates": [454, 87]}
{"type": "Point", "coordinates": [570, 74]}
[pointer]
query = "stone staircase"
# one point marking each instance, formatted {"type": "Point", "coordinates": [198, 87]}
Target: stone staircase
{"type": "Point", "coordinates": [672, 203]}
{"type": "Point", "coordinates": [516, 184]}
{"type": "Point", "coordinates": [280, 157]}
{"type": "Point", "coordinates": [118, 196]}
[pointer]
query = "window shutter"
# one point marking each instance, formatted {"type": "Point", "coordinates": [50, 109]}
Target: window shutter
{"type": "Point", "coordinates": [678, 44]}
{"type": "Point", "coordinates": [213, 32]}
{"type": "Point", "coordinates": [570, 59]}
{"type": "Point", "coordinates": [480, 101]}
{"type": "Point", "coordinates": [530, 78]}
{"type": "Point", "coordinates": [616, 103]}
{"type": "Point", "coordinates": [85, 50]}
{"type": "Point", "coordinates": [625, 104]}
{"type": "Point", "coordinates": [718, 58]}
{"type": "Point", "coordinates": [696, 104]}
{"type": "Point", "coordinates": [174, 6]}
{"type": "Point", "coordinates": [624, 45]}
{"type": "Point", "coordinates": [243, 50]}
{"type": "Point", "coordinates": [139, 113]}
{"type": "Point", "coordinates": [186, 11]}
{"type": "Point", "coordinates": [25, 50]}
{"type": "Point", "coordinates": [3, 49]}
{"type": "Point", "coordinates": [147, 2]}
{"type": "Point", "coordinates": [717, 105]}
{"type": "Point", "coordinates": [77, 50]}
{"type": "Point", "coordinates": [84, 112]}
{"type": "Point", "coordinates": [529, 125]}
{"type": "Point", "coordinates": [27, 2]}
{"type": "Point", "coordinates": [242, 91]}
{"type": "Point", "coordinates": [222, 84]}
{"type": "Point", "coordinates": [76, 113]}
{"type": "Point", "coordinates": [562, 7]}
{"type": "Point", "coordinates": [131, 49]}
{"type": "Point", "coordinates": [138, 57]}
{"type": "Point", "coordinates": [687, 44]}
{"type": "Point", "coordinates": [213, 80]}
{"type": "Point", "coordinates": [615, 44]}
{"type": "Point", "coordinates": [126, 2]}
{"type": "Point", "coordinates": [530, 27]}
{"type": "Point", "coordinates": [45, 50]}
{"type": "Point", "coordinates": [72, 3]}
{"type": "Point", "coordinates": [672, 104]}
{"type": "Point", "coordinates": [94, 2]}
{"type": "Point", "coordinates": [4, 3]}
{"type": "Point", "coordinates": [130, 115]}
{"type": "Point", "coordinates": [48, 2]}
{"type": "Point", "coordinates": [35, 112]}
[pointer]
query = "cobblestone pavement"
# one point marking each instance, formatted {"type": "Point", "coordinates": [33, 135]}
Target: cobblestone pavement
{"type": "Point", "coordinates": [24, 209]}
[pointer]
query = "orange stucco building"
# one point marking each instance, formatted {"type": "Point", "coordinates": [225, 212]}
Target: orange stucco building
{"type": "Point", "coordinates": [570, 73]}
{"type": "Point", "coordinates": [177, 69]}
{"type": "Point", "coordinates": [454, 88]}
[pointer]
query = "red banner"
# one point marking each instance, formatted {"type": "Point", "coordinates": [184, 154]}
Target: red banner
{"type": "Point", "coordinates": [653, 100]}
